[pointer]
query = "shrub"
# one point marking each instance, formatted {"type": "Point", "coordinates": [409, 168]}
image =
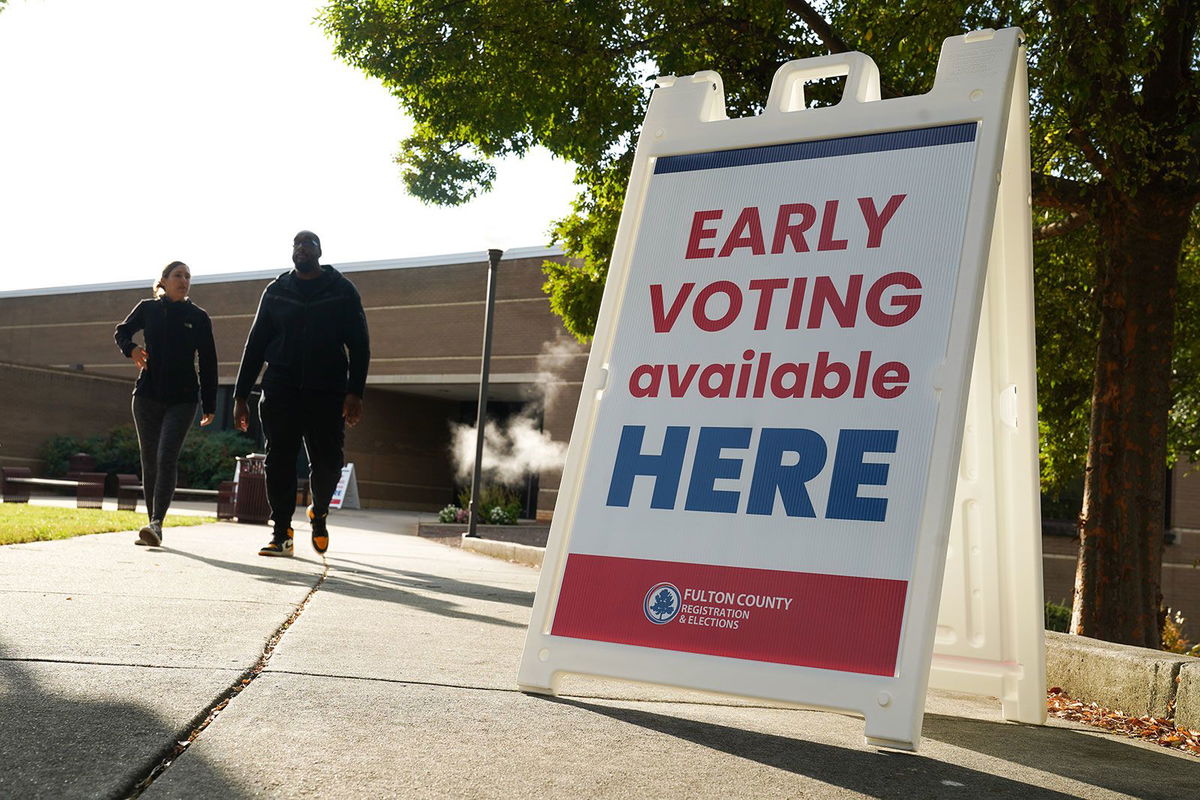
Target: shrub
{"type": "Point", "coordinates": [114, 451]}
{"type": "Point", "coordinates": [453, 513]}
{"type": "Point", "coordinates": [1058, 617]}
{"type": "Point", "coordinates": [1173, 638]}
{"type": "Point", "coordinates": [55, 451]}
{"type": "Point", "coordinates": [499, 515]}
{"type": "Point", "coordinates": [207, 457]}
{"type": "Point", "coordinates": [498, 505]}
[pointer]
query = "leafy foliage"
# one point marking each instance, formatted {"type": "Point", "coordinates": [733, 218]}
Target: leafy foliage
{"type": "Point", "coordinates": [1115, 149]}
{"type": "Point", "coordinates": [497, 77]}
{"type": "Point", "coordinates": [207, 457]}
{"type": "Point", "coordinates": [1066, 320]}
{"type": "Point", "coordinates": [1058, 617]}
{"type": "Point", "coordinates": [498, 505]}
{"type": "Point", "coordinates": [115, 451]}
{"type": "Point", "coordinates": [1174, 637]}
{"type": "Point", "coordinates": [55, 453]}
{"type": "Point", "coordinates": [453, 513]}
{"type": "Point", "coordinates": [1184, 430]}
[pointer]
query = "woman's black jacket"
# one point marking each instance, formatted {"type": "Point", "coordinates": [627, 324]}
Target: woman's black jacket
{"type": "Point", "coordinates": [175, 334]}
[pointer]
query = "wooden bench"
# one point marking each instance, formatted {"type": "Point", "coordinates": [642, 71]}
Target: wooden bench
{"type": "Point", "coordinates": [129, 490]}
{"type": "Point", "coordinates": [89, 486]}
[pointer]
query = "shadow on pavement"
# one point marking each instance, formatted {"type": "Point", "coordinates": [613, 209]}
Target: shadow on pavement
{"type": "Point", "coordinates": [441, 583]}
{"type": "Point", "coordinates": [1097, 758]}
{"type": "Point", "coordinates": [68, 746]}
{"type": "Point", "coordinates": [365, 590]}
{"type": "Point", "coordinates": [401, 523]}
{"type": "Point", "coordinates": [882, 774]}
{"type": "Point", "coordinates": [369, 588]}
{"type": "Point", "coordinates": [270, 569]}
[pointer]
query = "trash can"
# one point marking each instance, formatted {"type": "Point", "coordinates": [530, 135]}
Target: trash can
{"type": "Point", "coordinates": [227, 500]}
{"type": "Point", "coordinates": [80, 462]}
{"type": "Point", "coordinates": [251, 503]}
{"type": "Point", "coordinates": [129, 491]}
{"type": "Point", "coordinates": [90, 491]}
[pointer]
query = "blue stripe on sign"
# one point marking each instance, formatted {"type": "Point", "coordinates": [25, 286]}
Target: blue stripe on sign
{"type": "Point", "coordinates": [821, 148]}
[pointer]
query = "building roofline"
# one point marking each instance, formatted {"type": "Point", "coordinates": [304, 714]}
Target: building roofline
{"type": "Point", "coordinates": [414, 262]}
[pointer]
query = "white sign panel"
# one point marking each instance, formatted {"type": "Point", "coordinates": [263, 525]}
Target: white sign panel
{"type": "Point", "coordinates": [758, 491]}
{"type": "Point", "coordinates": [771, 402]}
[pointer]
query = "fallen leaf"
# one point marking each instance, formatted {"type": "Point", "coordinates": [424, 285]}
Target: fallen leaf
{"type": "Point", "coordinates": [1155, 729]}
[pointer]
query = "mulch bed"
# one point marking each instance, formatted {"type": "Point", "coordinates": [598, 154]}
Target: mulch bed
{"type": "Point", "coordinates": [1151, 729]}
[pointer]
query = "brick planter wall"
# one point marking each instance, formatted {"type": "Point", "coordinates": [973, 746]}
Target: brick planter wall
{"type": "Point", "coordinates": [530, 534]}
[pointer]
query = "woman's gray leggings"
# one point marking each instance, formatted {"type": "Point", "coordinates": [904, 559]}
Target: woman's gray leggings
{"type": "Point", "coordinates": [161, 429]}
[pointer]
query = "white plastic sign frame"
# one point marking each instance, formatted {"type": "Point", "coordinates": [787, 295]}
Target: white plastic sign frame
{"type": "Point", "coordinates": [345, 494]}
{"type": "Point", "coordinates": [578, 624]}
{"type": "Point", "coordinates": [990, 637]}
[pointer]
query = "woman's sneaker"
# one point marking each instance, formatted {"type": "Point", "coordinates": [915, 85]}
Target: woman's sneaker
{"type": "Point", "coordinates": [320, 530]}
{"type": "Point", "coordinates": [151, 535]}
{"type": "Point", "coordinates": [280, 544]}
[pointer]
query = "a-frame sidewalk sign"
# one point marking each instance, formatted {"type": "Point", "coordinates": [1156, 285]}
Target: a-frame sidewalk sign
{"type": "Point", "coordinates": [775, 473]}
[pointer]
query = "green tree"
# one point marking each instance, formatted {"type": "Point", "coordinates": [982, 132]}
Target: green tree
{"type": "Point", "coordinates": [1115, 129]}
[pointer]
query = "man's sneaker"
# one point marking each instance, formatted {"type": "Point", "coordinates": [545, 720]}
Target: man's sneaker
{"type": "Point", "coordinates": [151, 535]}
{"type": "Point", "coordinates": [320, 530]}
{"type": "Point", "coordinates": [279, 546]}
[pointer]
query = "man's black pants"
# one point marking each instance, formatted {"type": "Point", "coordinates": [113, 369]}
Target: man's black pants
{"type": "Point", "coordinates": [287, 418]}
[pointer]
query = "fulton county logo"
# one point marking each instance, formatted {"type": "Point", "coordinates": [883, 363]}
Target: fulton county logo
{"type": "Point", "coordinates": [662, 603]}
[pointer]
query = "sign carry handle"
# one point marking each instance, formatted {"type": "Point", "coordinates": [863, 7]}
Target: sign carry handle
{"type": "Point", "coordinates": [787, 87]}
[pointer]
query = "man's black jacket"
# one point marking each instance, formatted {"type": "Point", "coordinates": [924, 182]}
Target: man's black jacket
{"type": "Point", "coordinates": [304, 330]}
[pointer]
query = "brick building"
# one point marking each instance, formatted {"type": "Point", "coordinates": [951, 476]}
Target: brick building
{"type": "Point", "coordinates": [61, 373]}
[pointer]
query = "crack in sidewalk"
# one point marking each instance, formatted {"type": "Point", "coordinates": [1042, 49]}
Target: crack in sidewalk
{"type": "Point", "coordinates": [206, 717]}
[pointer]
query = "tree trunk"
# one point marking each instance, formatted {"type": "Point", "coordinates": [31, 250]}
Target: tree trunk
{"type": "Point", "coordinates": [1119, 574]}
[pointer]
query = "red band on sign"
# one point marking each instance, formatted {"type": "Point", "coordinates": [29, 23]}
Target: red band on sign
{"type": "Point", "coordinates": [837, 622]}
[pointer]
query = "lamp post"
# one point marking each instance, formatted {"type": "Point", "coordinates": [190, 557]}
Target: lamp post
{"type": "Point", "coordinates": [494, 255]}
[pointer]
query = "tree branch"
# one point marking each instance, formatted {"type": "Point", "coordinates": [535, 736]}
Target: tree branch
{"type": "Point", "coordinates": [1051, 191]}
{"type": "Point", "coordinates": [1094, 156]}
{"type": "Point", "coordinates": [1166, 82]}
{"type": "Point", "coordinates": [833, 42]}
{"type": "Point", "coordinates": [1074, 222]}
{"type": "Point", "coordinates": [1088, 38]}
{"type": "Point", "coordinates": [820, 26]}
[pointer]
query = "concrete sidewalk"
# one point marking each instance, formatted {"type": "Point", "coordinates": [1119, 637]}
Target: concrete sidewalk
{"type": "Point", "coordinates": [397, 679]}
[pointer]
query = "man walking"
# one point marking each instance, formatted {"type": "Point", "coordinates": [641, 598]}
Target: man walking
{"type": "Point", "coordinates": [311, 331]}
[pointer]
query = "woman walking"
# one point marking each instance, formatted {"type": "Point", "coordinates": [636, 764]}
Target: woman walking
{"type": "Point", "coordinates": [176, 331]}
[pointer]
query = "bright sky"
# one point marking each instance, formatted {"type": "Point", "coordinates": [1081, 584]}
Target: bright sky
{"type": "Point", "coordinates": [137, 132]}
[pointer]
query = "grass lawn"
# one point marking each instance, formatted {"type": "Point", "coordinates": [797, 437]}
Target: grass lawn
{"type": "Point", "coordinates": [20, 522]}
